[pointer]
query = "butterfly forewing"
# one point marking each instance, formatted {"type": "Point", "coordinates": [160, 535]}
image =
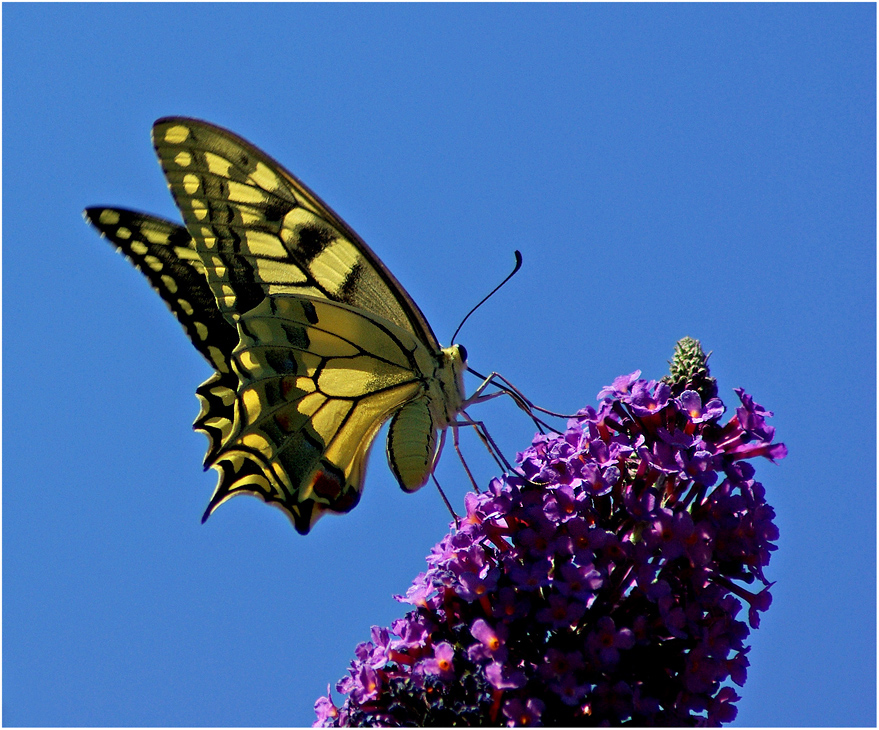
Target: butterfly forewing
{"type": "Point", "coordinates": [165, 254]}
{"type": "Point", "coordinates": [261, 231]}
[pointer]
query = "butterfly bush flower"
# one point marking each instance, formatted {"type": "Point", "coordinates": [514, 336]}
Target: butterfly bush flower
{"type": "Point", "coordinates": [600, 584]}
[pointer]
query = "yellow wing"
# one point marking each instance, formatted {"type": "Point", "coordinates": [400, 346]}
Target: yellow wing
{"type": "Point", "coordinates": [260, 231]}
{"type": "Point", "coordinates": [165, 254]}
{"type": "Point", "coordinates": [317, 380]}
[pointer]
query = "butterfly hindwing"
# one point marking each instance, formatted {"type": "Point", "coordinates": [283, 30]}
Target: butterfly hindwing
{"type": "Point", "coordinates": [216, 396]}
{"type": "Point", "coordinates": [317, 380]}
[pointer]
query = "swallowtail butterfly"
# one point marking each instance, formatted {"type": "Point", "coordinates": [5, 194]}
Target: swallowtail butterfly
{"type": "Point", "coordinates": [313, 341]}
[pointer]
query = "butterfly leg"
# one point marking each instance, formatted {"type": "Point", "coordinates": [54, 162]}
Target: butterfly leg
{"type": "Point", "coordinates": [480, 396]}
{"type": "Point", "coordinates": [461, 458]}
{"type": "Point", "coordinates": [454, 427]}
{"type": "Point", "coordinates": [505, 387]}
{"type": "Point", "coordinates": [487, 440]}
{"type": "Point", "coordinates": [446, 500]}
{"type": "Point", "coordinates": [436, 456]}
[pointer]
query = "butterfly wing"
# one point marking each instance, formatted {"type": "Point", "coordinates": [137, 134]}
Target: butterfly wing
{"type": "Point", "coordinates": [260, 231]}
{"type": "Point", "coordinates": [317, 380]}
{"type": "Point", "coordinates": [165, 254]}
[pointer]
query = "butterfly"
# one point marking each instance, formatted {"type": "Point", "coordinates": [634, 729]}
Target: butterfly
{"type": "Point", "coordinates": [313, 342]}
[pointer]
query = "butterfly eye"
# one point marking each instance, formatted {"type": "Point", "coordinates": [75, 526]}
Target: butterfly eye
{"type": "Point", "coordinates": [463, 352]}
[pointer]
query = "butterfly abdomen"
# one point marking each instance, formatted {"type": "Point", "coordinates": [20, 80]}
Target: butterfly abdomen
{"type": "Point", "coordinates": [412, 444]}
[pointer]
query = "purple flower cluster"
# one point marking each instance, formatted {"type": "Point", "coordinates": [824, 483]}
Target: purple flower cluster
{"type": "Point", "coordinates": [599, 585]}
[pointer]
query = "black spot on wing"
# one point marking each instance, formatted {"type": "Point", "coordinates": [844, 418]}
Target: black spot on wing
{"type": "Point", "coordinates": [348, 291]}
{"type": "Point", "coordinates": [310, 312]}
{"type": "Point", "coordinates": [280, 360]}
{"type": "Point", "coordinates": [313, 239]}
{"type": "Point", "coordinates": [249, 291]}
{"type": "Point", "coordinates": [274, 213]}
{"type": "Point", "coordinates": [296, 335]}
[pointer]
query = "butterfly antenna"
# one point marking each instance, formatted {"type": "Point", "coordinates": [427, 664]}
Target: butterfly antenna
{"type": "Point", "coordinates": [485, 299]}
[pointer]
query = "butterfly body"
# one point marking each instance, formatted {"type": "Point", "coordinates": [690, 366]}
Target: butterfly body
{"type": "Point", "coordinates": [313, 342]}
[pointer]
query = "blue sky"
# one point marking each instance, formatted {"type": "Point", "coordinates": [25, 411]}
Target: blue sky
{"type": "Point", "coordinates": [666, 170]}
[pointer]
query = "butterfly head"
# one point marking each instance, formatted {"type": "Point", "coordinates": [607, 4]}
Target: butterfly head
{"type": "Point", "coordinates": [453, 358]}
